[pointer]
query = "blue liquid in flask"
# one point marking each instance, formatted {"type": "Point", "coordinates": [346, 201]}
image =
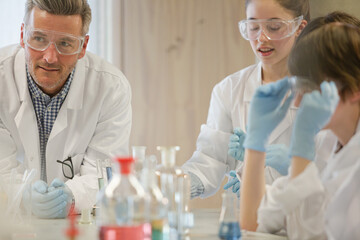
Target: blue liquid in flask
{"type": "Point", "coordinates": [229, 231]}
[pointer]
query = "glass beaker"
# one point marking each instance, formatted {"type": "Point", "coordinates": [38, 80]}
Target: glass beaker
{"type": "Point", "coordinates": [229, 224]}
{"type": "Point", "coordinates": [184, 218]}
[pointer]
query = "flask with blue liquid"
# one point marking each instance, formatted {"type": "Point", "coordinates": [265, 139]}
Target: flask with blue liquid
{"type": "Point", "coordinates": [229, 225]}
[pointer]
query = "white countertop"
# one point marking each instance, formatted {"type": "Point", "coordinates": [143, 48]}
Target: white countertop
{"type": "Point", "coordinates": [206, 227]}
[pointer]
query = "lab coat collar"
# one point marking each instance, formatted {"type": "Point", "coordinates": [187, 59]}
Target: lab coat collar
{"type": "Point", "coordinates": [25, 118]}
{"type": "Point", "coordinates": [76, 93]}
{"type": "Point", "coordinates": [252, 83]}
{"type": "Point", "coordinates": [20, 74]}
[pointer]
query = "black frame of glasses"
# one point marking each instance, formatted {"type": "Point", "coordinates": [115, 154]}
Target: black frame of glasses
{"type": "Point", "coordinates": [70, 165]}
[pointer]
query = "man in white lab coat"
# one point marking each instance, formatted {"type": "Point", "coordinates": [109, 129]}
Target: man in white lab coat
{"type": "Point", "coordinates": [60, 107]}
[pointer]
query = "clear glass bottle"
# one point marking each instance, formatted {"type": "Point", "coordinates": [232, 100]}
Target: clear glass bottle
{"type": "Point", "coordinates": [175, 185]}
{"type": "Point", "coordinates": [167, 173]}
{"type": "Point", "coordinates": [138, 153]}
{"type": "Point", "coordinates": [229, 226]}
{"type": "Point", "coordinates": [158, 203]}
{"type": "Point", "coordinates": [124, 207]}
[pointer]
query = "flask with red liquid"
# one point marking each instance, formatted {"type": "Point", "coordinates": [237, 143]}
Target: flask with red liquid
{"type": "Point", "coordinates": [124, 207]}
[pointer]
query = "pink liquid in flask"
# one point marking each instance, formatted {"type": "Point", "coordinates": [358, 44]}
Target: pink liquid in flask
{"type": "Point", "coordinates": [137, 232]}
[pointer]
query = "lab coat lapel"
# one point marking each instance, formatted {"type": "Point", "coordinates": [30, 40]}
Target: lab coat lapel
{"type": "Point", "coordinates": [25, 118]}
{"type": "Point", "coordinates": [73, 101]}
{"type": "Point", "coordinates": [250, 89]}
{"type": "Point", "coordinates": [57, 141]}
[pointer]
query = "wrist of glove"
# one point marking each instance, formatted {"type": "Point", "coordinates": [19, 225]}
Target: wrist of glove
{"type": "Point", "coordinates": [52, 201]}
{"type": "Point", "coordinates": [315, 111]}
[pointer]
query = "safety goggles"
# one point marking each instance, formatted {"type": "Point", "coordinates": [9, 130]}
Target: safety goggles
{"type": "Point", "coordinates": [40, 40]}
{"type": "Point", "coordinates": [273, 29]}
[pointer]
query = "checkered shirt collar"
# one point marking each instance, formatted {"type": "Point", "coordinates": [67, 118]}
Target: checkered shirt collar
{"type": "Point", "coordinates": [37, 93]}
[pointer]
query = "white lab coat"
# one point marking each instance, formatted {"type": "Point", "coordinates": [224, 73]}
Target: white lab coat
{"type": "Point", "coordinates": [317, 206]}
{"type": "Point", "coordinates": [93, 122]}
{"type": "Point", "coordinates": [229, 106]}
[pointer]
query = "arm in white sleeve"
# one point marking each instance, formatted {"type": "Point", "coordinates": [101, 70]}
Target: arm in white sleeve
{"type": "Point", "coordinates": [296, 205]}
{"type": "Point", "coordinates": [342, 216]}
{"type": "Point", "coordinates": [8, 153]}
{"type": "Point", "coordinates": [210, 161]}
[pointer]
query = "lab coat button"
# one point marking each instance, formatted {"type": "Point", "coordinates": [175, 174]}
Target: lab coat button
{"type": "Point", "coordinates": [31, 159]}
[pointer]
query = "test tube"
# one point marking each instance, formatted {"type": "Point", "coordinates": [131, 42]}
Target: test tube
{"type": "Point", "coordinates": [108, 169]}
{"type": "Point", "coordinates": [100, 173]}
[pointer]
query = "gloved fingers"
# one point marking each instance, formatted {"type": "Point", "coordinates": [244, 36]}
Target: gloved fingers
{"type": "Point", "coordinates": [330, 92]}
{"type": "Point", "coordinates": [241, 140]}
{"type": "Point", "coordinates": [236, 153]}
{"type": "Point", "coordinates": [57, 183]}
{"type": "Point", "coordinates": [238, 132]}
{"type": "Point", "coordinates": [230, 183]}
{"type": "Point", "coordinates": [46, 197]}
{"type": "Point", "coordinates": [278, 88]}
{"type": "Point", "coordinates": [234, 138]}
{"type": "Point", "coordinates": [236, 187]}
{"type": "Point", "coordinates": [232, 152]}
{"type": "Point", "coordinates": [232, 173]}
{"type": "Point", "coordinates": [40, 186]}
{"type": "Point", "coordinates": [235, 145]}
{"type": "Point", "coordinates": [50, 204]}
{"type": "Point", "coordinates": [51, 213]}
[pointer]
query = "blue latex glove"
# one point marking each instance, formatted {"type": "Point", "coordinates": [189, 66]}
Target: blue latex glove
{"type": "Point", "coordinates": [236, 149]}
{"type": "Point", "coordinates": [277, 157]}
{"type": "Point", "coordinates": [266, 112]}
{"type": "Point", "coordinates": [233, 183]}
{"type": "Point", "coordinates": [50, 204]}
{"type": "Point", "coordinates": [313, 114]}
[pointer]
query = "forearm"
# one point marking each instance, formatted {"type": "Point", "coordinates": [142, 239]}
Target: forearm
{"type": "Point", "coordinates": [252, 188]}
{"type": "Point", "coordinates": [298, 165]}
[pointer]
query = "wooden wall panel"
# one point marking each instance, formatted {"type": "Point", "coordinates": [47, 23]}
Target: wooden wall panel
{"type": "Point", "coordinates": [173, 53]}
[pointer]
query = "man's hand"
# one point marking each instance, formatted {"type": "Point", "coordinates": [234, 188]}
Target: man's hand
{"type": "Point", "coordinates": [50, 202]}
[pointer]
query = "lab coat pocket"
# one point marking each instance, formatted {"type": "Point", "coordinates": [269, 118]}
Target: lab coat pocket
{"type": "Point", "coordinates": [77, 161]}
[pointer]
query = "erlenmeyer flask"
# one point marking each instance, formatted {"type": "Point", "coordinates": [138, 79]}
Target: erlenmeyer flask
{"type": "Point", "coordinates": [229, 225]}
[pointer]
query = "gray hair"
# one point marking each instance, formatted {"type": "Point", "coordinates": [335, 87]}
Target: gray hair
{"type": "Point", "coordinates": [62, 7]}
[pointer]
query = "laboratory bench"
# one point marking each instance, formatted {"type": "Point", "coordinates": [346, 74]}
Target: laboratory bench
{"type": "Point", "coordinates": [206, 227]}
